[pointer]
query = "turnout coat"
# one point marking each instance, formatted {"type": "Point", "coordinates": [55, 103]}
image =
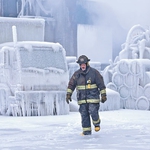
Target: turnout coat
{"type": "Point", "coordinates": [89, 85]}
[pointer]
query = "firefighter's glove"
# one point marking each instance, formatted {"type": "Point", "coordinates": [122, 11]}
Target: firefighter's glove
{"type": "Point", "coordinates": [68, 98]}
{"type": "Point", "coordinates": [103, 98]}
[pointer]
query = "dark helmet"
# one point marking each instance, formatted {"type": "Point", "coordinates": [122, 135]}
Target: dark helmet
{"type": "Point", "coordinates": [83, 60]}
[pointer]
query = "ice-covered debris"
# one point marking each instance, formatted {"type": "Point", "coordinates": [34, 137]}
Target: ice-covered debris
{"type": "Point", "coordinates": [130, 72]}
{"type": "Point", "coordinates": [136, 44]}
{"type": "Point", "coordinates": [36, 76]}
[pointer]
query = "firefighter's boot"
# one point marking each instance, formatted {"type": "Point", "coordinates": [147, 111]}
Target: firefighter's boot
{"type": "Point", "coordinates": [97, 128]}
{"type": "Point", "coordinates": [86, 133]}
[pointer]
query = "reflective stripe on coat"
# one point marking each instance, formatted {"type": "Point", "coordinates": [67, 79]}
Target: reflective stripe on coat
{"type": "Point", "coordinates": [89, 85]}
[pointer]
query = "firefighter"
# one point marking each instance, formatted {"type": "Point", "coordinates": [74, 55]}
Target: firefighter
{"type": "Point", "coordinates": [89, 85]}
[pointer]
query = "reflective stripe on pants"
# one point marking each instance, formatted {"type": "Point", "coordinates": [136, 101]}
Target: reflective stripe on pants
{"type": "Point", "coordinates": [86, 110]}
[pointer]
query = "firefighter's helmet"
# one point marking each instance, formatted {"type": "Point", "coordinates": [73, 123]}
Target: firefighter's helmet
{"type": "Point", "coordinates": [83, 60]}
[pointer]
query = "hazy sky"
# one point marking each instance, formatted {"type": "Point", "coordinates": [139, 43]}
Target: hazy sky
{"type": "Point", "coordinates": [115, 13]}
{"type": "Point", "coordinates": [130, 12]}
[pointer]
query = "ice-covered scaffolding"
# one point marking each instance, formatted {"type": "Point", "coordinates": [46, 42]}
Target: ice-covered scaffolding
{"type": "Point", "coordinates": [129, 74]}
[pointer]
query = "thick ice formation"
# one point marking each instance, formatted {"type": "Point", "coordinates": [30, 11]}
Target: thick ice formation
{"type": "Point", "coordinates": [130, 72]}
{"type": "Point", "coordinates": [34, 77]}
{"type": "Point", "coordinates": [38, 103]}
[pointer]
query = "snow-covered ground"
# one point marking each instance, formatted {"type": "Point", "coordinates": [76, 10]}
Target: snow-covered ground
{"type": "Point", "coordinates": [120, 130]}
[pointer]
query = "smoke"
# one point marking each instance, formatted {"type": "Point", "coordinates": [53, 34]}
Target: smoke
{"type": "Point", "coordinates": [112, 20]}
{"type": "Point", "coordinates": [99, 39]}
